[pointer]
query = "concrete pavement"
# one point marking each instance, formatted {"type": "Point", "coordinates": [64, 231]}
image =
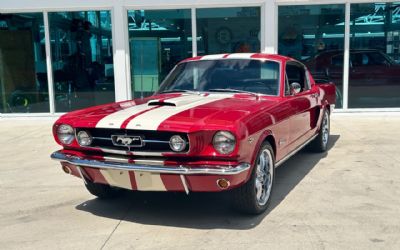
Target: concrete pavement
{"type": "Point", "coordinates": [348, 198]}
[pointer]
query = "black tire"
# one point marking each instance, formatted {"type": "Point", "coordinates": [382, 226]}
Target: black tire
{"type": "Point", "coordinates": [320, 143]}
{"type": "Point", "coordinates": [245, 197]}
{"type": "Point", "coordinates": [103, 191]}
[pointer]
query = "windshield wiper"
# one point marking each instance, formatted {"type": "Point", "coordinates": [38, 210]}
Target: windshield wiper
{"type": "Point", "coordinates": [233, 90]}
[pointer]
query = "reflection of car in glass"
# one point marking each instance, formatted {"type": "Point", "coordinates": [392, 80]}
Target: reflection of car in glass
{"type": "Point", "coordinates": [372, 73]}
{"type": "Point", "coordinates": [218, 122]}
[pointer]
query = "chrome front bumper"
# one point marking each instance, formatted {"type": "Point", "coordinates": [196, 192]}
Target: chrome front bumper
{"type": "Point", "coordinates": [179, 169]}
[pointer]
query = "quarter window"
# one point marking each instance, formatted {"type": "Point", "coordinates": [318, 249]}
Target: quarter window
{"type": "Point", "coordinates": [296, 73]}
{"type": "Point", "coordinates": [337, 61]}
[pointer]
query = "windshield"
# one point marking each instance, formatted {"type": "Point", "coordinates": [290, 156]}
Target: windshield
{"type": "Point", "coordinates": [226, 75]}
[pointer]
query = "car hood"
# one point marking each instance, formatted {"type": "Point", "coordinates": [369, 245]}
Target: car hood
{"type": "Point", "coordinates": [174, 112]}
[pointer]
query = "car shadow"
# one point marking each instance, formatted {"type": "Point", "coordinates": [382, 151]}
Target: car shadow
{"type": "Point", "coordinates": [202, 210]}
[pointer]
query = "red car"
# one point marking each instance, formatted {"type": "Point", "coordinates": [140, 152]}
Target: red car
{"type": "Point", "coordinates": [373, 75]}
{"type": "Point", "coordinates": [218, 122]}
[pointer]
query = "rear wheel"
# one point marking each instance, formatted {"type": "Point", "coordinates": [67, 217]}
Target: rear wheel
{"type": "Point", "coordinates": [320, 143]}
{"type": "Point", "coordinates": [254, 196]}
{"type": "Point", "coordinates": [103, 191]}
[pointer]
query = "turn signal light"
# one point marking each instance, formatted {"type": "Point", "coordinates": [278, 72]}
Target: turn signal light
{"type": "Point", "coordinates": [223, 183]}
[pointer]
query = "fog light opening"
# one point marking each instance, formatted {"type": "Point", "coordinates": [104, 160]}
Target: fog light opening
{"type": "Point", "coordinates": [223, 183]}
{"type": "Point", "coordinates": [66, 169]}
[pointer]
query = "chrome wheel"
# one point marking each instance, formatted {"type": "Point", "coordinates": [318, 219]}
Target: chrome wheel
{"type": "Point", "coordinates": [325, 129]}
{"type": "Point", "coordinates": [264, 177]}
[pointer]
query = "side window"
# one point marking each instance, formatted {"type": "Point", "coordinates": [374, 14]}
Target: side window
{"type": "Point", "coordinates": [368, 59]}
{"type": "Point", "coordinates": [337, 61]}
{"type": "Point", "coordinates": [296, 73]}
{"type": "Point", "coordinates": [377, 59]}
{"type": "Point", "coordinates": [356, 59]}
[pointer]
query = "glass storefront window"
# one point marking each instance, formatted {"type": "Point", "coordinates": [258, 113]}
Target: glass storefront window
{"type": "Point", "coordinates": [228, 30]}
{"type": "Point", "coordinates": [23, 73]}
{"type": "Point", "coordinates": [82, 59]}
{"type": "Point", "coordinates": [314, 34]}
{"type": "Point", "coordinates": [374, 73]}
{"type": "Point", "coordinates": [158, 39]}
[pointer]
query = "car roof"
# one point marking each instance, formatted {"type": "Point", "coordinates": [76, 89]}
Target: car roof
{"type": "Point", "coordinates": [340, 51]}
{"type": "Point", "coordinates": [253, 56]}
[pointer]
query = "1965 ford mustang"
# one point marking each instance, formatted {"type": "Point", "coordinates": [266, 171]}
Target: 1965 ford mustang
{"type": "Point", "coordinates": [218, 122]}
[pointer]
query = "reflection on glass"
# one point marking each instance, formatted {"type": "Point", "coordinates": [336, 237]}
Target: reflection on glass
{"type": "Point", "coordinates": [314, 34]}
{"type": "Point", "coordinates": [158, 39]}
{"type": "Point", "coordinates": [228, 30]}
{"type": "Point", "coordinates": [23, 74]}
{"type": "Point", "coordinates": [233, 75]}
{"type": "Point", "coordinates": [374, 74]}
{"type": "Point", "coordinates": [81, 58]}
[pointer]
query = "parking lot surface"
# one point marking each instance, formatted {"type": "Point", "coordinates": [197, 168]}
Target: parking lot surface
{"type": "Point", "coordinates": [347, 198]}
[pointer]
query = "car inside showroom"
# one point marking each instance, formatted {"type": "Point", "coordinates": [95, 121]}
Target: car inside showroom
{"type": "Point", "coordinates": [61, 56]}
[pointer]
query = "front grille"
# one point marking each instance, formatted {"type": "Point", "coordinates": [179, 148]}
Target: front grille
{"type": "Point", "coordinates": [153, 141]}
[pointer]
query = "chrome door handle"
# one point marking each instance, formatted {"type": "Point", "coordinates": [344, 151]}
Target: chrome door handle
{"type": "Point", "coordinates": [315, 95]}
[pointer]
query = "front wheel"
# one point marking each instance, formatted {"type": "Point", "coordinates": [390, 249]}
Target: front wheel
{"type": "Point", "coordinates": [103, 191]}
{"type": "Point", "coordinates": [254, 196]}
{"type": "Point", "coordinates": [320, 143]}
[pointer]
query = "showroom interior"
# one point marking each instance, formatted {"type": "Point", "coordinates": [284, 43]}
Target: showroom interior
{"type": "Point", "coordinates": [59, 56]}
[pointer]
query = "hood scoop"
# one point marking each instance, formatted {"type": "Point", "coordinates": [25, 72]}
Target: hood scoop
{"type": "Point", "coordinates": [158, 103]}
{"type": "Point", "coordinates": [176, 102]}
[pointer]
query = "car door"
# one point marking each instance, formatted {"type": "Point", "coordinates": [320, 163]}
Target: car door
{"type": "Point", "coordinates": [303, 103]}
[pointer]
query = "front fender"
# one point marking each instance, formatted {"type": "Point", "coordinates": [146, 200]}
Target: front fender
{"type": "Point", "coordinates": [258, 141]}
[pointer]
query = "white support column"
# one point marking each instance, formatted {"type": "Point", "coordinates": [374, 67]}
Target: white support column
{"type": "Point", "coordinates": [269, 26]}
{"type": "Point", "coordinates": [346, 57]}
{"type": "Point", "coordinates": [49, 66]}
{"type": "Point", "coordinates": [194, 32]}
{"type": "Point", "coordinates": [262, 28]}
{"type": "Point", "coordinates": [120, 38]}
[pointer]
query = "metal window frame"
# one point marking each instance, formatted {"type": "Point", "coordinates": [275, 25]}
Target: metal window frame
{"type": "Point", "coordinates": [47, 58]}
{"type": "Point", "coordinates": [346, 56]}
{"type": "Point", "coordinates": [193, 9]}
{"type": "Point", "coordinates": [53, 111]}
{"type": "Point", "coordinates": [345, 39]}
{"type": "Point", "coordinates": [259, 4]}
{"type": "Point", "coordinates": [127, 48]}
{"type": "Point", "coordinates": [121, 58]}
{"type": "Point", "coordinates": [49, 66]}
{"type": "Point", "coordinates": [122, 86]}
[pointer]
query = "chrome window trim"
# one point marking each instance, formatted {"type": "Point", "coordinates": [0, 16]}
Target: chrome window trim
{"type": "Point", "coordinates": [279, 62]}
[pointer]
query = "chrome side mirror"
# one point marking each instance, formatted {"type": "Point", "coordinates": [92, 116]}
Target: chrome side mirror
{"type": "Point", "coordinates": [295, 88]}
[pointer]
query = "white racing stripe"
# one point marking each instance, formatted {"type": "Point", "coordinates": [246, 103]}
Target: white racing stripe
{"type": "Point", "coordinates": [240, 56]}
{"type": "Point", "coordinates": [152, 119]}
{"type": "Point", "coordinates": [117, 178]}
{"type": "Point", "coordinates": [149, 181]}
{"type": "Point", "coordinates": [116, 119]}
{"type": "Point", "coordinates": [211, 57]}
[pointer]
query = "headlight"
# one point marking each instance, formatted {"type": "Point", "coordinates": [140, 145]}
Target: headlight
{"type": "Point", "coordinates": [177, 143]}
{"type": "Point", "coordinates": [224, 142]}
{"type": "Point", "coordinates": [65, 134]}
{"type": "Point", "coordinates": [84, 138]}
